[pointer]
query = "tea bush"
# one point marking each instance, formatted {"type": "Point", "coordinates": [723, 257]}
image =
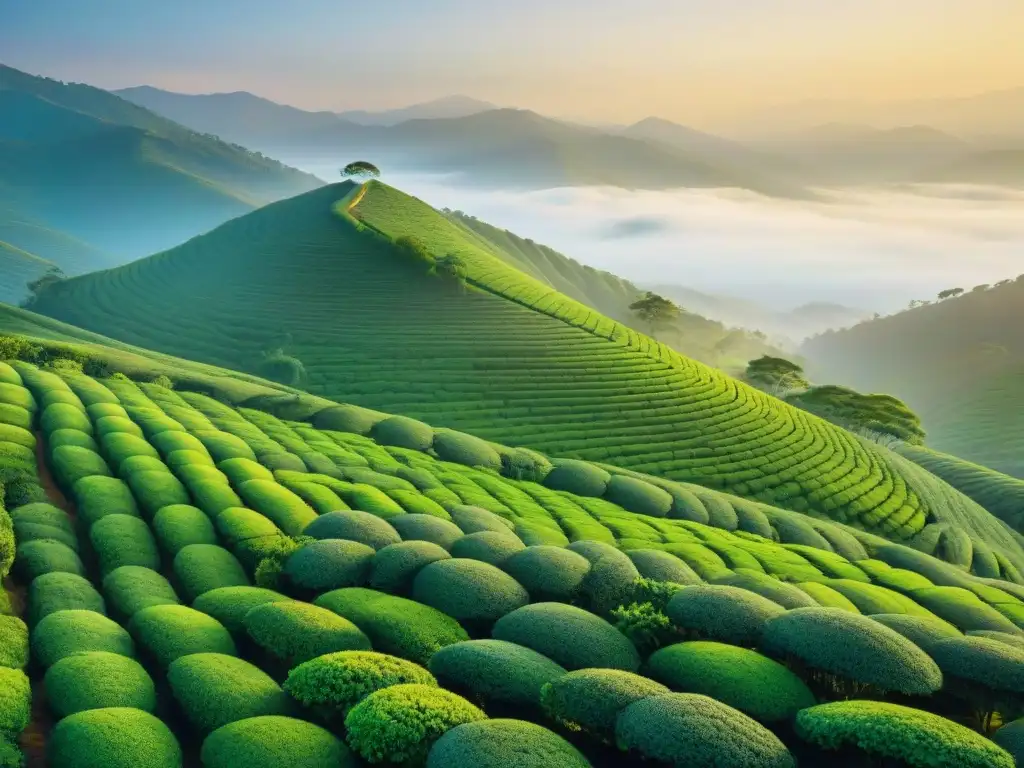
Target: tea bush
{"type": "Point", "coordinates": [330, 564]}
{"type": "Point", "coordinates": [548, 573]}
{"type": "Point", "coordinates": [495, 671]}
{"type": "Point", "coordinates": [114, 737]}
{"type": "Point", "coordinates": [591, 699]}
{"type": "Point", "coordinates": [97, 680]}
{"type": "Point", "coordinates": [296, 632]}
{"type": "Point", "coordinates": [728, 614]}
{"type": "Point", "coordinates": [33, 559]}
{"type": "Point", "coordinates": [120, 540]}
{"type": "Point", "coordinates": [354, 526]}
{"type": "Point", "coordinates": [271, 741]}
{"type": "Point", "coordinates": [68, 632]}
{"type": "Point", "coordinates": [176, 527]}
{"type": "Point", "coordinates": [504, 744]}
{"type": "Point", "coordinates": [492, 547]}
{"type": "Point", "coordinates": [661, 566]}
{"type": "Point", "coordinates": [202, 567]}
{"type": "Point", "coordinates": [14, 642]}
{"type": "Point", "coordinates": [131, 588]}
{"type": "Point", "coordinates": [468, 590]}
{"type": "Point", "coordinates": [229, 605]}
{"type": "Point", "coordinates": [396, 565]}
{"type": "Point", "coordinates": [168, 632]}
{"type": "Point", "coordinates": [921, 631]}
{"type": "Point", "coordinates": [60, 591]}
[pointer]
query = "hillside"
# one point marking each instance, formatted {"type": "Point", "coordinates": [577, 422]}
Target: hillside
{"type": "Point", "coordinates": [508, 359]}
{"type": "Point", "coordinates": [74, 159]}
{"type": "Point", "coordinates": [961, 367]}
{"type": "Point", "coordinates": [18, 267]}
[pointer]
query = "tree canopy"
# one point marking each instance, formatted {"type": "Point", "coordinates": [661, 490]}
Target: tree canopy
{"type": "Point", "coordinates": [776, 373]}
{"type": "Point", "coordinates": [36, 287]}
{"type": "Point", "coordinates": [360, 169]}
{"type": "Point", "coordinates": [654, 310]}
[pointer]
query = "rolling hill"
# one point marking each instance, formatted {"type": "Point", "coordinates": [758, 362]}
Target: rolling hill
{"type": "Point", "coordinates": [18, 267]}
{"type": "Point", "coordinates": [960, 366]}
{"type": "Point", "coordinates": [319, 279]}
{"type": "Point", "coordinates": [91, 167]}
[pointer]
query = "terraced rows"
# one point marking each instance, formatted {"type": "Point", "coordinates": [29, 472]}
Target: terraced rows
{"type": "Point", "coordinates": [180, 499]}
{"type": "Point", "coordinates": [513, 361]}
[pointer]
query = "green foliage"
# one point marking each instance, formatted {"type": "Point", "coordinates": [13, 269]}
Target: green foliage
{"type": "Point", "coordinates": [591, 699]}
{"type": "Point", "coordinates": [579, 477]}
{"type": "Point", "coordinates": [916, 738]}
{"type": "Point", "coordinates": [14, 646]}
{"type": "Point", "coordinates": [272, 741]}
{"type": "Point", "coordinates": [470, 591]}
{"type": "Point", "coordinates": [37, 558]}
{"type": "Point", "coordinates": [569, 636]}
{"type": "Point", "coordinates": [168, 632]}
{"type": "Point", "coordinates": [214, 690]}
{"type": "Point", "coordinates": [64, 633]}
{"type": "Point", "coordinates": [395, 625]}
{"type": "Point", "coordinates": [504, 744]}
{"type": "Point", "coordinates": [963, 609]}
{"type": "Point", "coordinates": [654, 310]}
{"type": "Point", "coordinates": [727, 614]}
{"type": "Point", "coordinates": [156, 490]}
{"type": "Point", "coordinates": [296, 632]}
{"type": "Point", "coordinates": [476, 520]}
{"type": "Point", "coordinates": [71, 463]}
{"type": "Point", "coordinates": [114, 737]}
{"type": "Point", "coordinates": [775, 374]}
{"type": "Point", "coordinates": [355, 526]}
{"type": "Point", "coordinates": [120, 540]}
{"type": "Point", "coordinates": [15, 702]}
{"type": "Point", "coordinates": [59, 591]}
{"type": "Point", "coordinates": [646, 626]}
{"type": "Point", "coordinates": [330, 564]}
{"type": "Point", "coordinates": [202, 567]}
{"type": "Point", "coordinates": [178, 526]}
{"type": "Point", "coordinates": [396, 565]}
{"type": "Point", "coordinates": [492, 547]}
{"type": "Point", "coordinates": [229, 605]}
{"type": "Point", "coordinates": [131, 588]}
{"type": "Point", "coordinates": [741, 678]}
{"type": "Point", "coordinates": [882, 414]}
{"type": "Point", "coordinates": [401, 723]}
{"type": "Point", "coordinates": [922, 631]}
{"type": "Point", "coordinates": [548, 573]}
{"type": "Point", "coordinates": [990, 663]}
{"type": "Point", "coordinates": [786, 595]}
{"type": "Point", "coordinates": [289, 512]}
{"type": "Point", "coordinates": [638, 496]}
{"type": "Point", "coordinates": [1011, 738]}
{"type": "Point", "coordinates": [361, 170]}
{"type": "Point", "coordinates": [661, 566]}
{"type": "Point", "coordinates": [853, 647]}
{"type": "Point", "coordinates": [494, 671]}
{"type": "Point", "coordinates": [465, 449]}
{"type": "Point", "coordinates": [610, 582]}
{"type": "Point", "coordinates": [99, 496]}
{"type": "Point", "coordinates": [403, 432]}
{"type": "Point", "coordinates": [335, 682]}
{"type": "Point", "coordinates": [96, 680]}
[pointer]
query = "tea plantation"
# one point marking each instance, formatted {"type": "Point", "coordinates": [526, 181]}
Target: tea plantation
{"type": "Point", "coordinates": [196, 581]}
{"type": "Point", "coordinates": [317, 290]}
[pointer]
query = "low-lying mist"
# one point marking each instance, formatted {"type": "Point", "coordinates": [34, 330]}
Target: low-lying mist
{"type": "Point", "coordinates": [874, 249]}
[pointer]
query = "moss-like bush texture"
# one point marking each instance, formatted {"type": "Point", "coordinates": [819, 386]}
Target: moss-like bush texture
{"type": "Point", "coordinates": [214, 690]}
{"type": "Point", "coordinates": [178, 526]}
{"type": "Point", "coordinates": [396, 565]}
{"type": "Point", "coordinates": [1011, 738]}
{"type": "Point", "coordinates": [395, 625]}
{"type": "Point", "coordinates": [504, 744]}
{"type": "Point", "coordinates": [355, 526]}
{"type": "Point", "coordinates": [330, 564]}
{"type": "Point", "coordinates": [273, 741]}
{"type": "Point", "coordinates": [124, 540]}
{"type": "Point", "coordinates": [427, 528]}
{"type": "Point", "coordinates": [662, 566]}
{"type": "Point", "coordinates": [200, 568]}
{"type": "Point", "coordinates": [591, 699]}
{"type": "Point", "coordinates": [741, 678]}
{"type": "Point", "coordinates": [115, 737]}
{"type": "Point", "coordinates": [97, 680]}
{"type": "Point", "coordinates": [335, 682]}
{"type": "Point", "coordinates": [131, 588]}
{"type": "Point", "coordinates": [610, 582]}
{"type": "Point", "coordinates": [995, 665]}
{"type": "Point", "coordinates": [918, 739]}
{"type": "Point", "coordinates": [296, 632]}
{"type": "Point", "coordinates": [66, 632]}
{"type": "Point", "coordinates": [922, 631]}
{"type": "Point", "coordinates": [33, 559]}
{"type": "Point", "coordinates": [14, 645]}
{"type": "Point", "coordinates": [729, 614]}
{"type": "Point", "coordinates": [61, 592]}
{"type": "Point", "coordinates": [495, 671]}
{"type": "Point", "coordinates": [852, 647]}
{"type": "Point", "coordinates": [99, 496]}
{"type": "Point", "coordinates": [693, 731]}
{"type": "Point", "coordinates": [465, 449]}
{"type": "Point", "coordinates": [547, 572]}
{"type": "Point", "coordinates": [229, 605]}
{"type": "Point", "coordinates": [400, 724]}
{"type": "Point", "coordinates": [569, 636]}
{"type": "Point", "coordinates": [579, 477]}
{"type": "Point", "coordinates": [15, 702]}
{"type": "Point", "coordinates": [403, 432]}
{"type": "Point", "coordinates": [168, 632]}
{"type": "Point", "coordinates": [469, 590]}
{"type": "Point", "coordinates": [493, 547]}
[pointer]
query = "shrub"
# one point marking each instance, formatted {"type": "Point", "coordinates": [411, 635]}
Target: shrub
{"type": "Point", "coordinates": [885, 730]}
{"type": "Point", "coordinates": [169, 632]}
{"type": "Point", "coordinates": [330, 564]}
{"type": "Point", "coordinates": [403, 432]}
{"type": "Point", "coordinates": [114, 737]}
{"type": "Point", "coordinates": [786, 595]}
{"type": "Point", "coordinates": [119, 446]}
{"type": "Point", "coordinates": [548, 572]}
{"type": "Point", "coordinates": [569, 636]}
{"type": "Point", "coordinates": [131, 588]}
{"type": "Point", "coordinates": [728, 614]}
{"type": "Point", "coordinates": [43, 513]}
{"type": "Point", "coordinates": [922, 631]}
{"type": "Point", "coordinates": [213, 496]}
{"type": "Point", "coordinates": [1011, 738]}
{"type": "Point", "coordinates": [591, 699]}
{"type": "Point", "coordinates": [214, 690]}
{"type": "Point", "coordinates": [171, 440]}
{"type": "Point", "coordinates": [741, 678]}
{"type": "Point", "coordinates": [295, 632]}
{"type": "Point", "coordinates": [354, 526]}
{"type": "Point", "coordinates": [223, 446]}
{"type": "Point", "coordinates": [853, 647]}
{"type": "Point", "coordinates": [375, 501]}
{"type": "Point", "coordinates": [136, 464]}
{"type": "Point", "coordinates": [638, 496]}
{"type": "Point", "coordinates": [335, 682]}
{"type": "Point", "coordinates": [25, 532]}
{"type": "Point", "coordinates": [289, 512]}
{"type": "Point", "coordinates": [273, 741]}
{"type": "Point", "coordinates": [495, 671]}
{"type": "Point", "coordinates": [691, 730]}
{"type": "Point", "coordinates": [990, 663]}
{"type": "Point", "coordinates": [156, 490]}
{"type": "Point", "coordinates": [229, 605]}
{"type": "Point", "coordinates": [504, 744]}
{"type": "Point", "coordinates": [10, 755]}
{"type": "Point", "coordinates": [468, 590]}
{"type": "Point", "coordinates": [241, 470]}
{"type": "Point", "coordinates": [71, 464]}
{"type": "Point", "coordinates": [15, 702]}
{"type": "Point", "coordinates": [1017, 641]}
{"type": "Point", "coordinates": [610, 582]}
{"type": "Point", "coordinates": [871, 599]}
{"type": "Point", "coordinates": [661, 566]}
{"type": "Point", "coordinates": [180, 525]}
{"type": "Point", "coordinates": [963, 609]}
{"type": "Point", "coordinates": [123, 540]}
{"type": "Point", "coordinates": [416, 503]}
{"type": "Point", "coordinates": [202, 567]}
{"type": "Point", "coordinates": [827, 597]}
{"type": "Point", "coordinates": [401, 723]}
{"type": "Point", "coordinates": [465, 449]}
{"type": "Point", "coordinates": [64, 416]}
{"type": "Point", "coordinates": [579, 477]}
{"type": "Point", "coordinates": [492, 547]}
{"type": "Point", "coordinates": [238, 525]}
{"type": "Point", "coordinates": [97, 680]}
{"type": "Point", "coordinates": [13, 642]}
{"type": "Point", "coordinates": [475, 520]}
{"type": "Point", "coordinates": [646, 627]}
{"type": "Point", "coordinates": [74, 437]}
{"type": "Point", "coordinates": [395, 625]}
{"type": "Point", "coordinates": [66, 632]}
{"type": "Point", "coordinates": [99, 496]}
{"type": "Point", "coordinates": [60, 591]}
{"type": "Point", "coordinates": [395, 566]}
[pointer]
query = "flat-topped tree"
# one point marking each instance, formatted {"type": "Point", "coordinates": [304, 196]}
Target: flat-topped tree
{"type": "Point", "coordinates": [775, 374]}
{"type": "Point", "coordinates": [654, 310]}
{"type": "Point", "coordinates": [360, 170]}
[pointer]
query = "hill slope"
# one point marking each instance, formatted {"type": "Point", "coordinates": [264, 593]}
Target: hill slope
{"type": "Point", "coordinates": [82, 162]}
{"type": "Point", "coordinates": [18, 267]}
{"type": "Point", "coordinates": [509, 359]}
{"type": "Point", "coordinates": [960, 366]}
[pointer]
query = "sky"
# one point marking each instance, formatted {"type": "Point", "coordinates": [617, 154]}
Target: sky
{"type": "Point", "coordinates": [603, 60]}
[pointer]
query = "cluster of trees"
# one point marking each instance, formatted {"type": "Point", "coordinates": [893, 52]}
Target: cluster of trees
{"type": "Point", "coordinates": [36, 287]}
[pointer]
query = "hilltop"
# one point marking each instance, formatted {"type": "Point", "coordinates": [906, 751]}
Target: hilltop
{"type": "Point", "coordinates": [18, 267]}
{"type": "Point", "coordinates": [73, 160]}
{"type": "Point", "coordinates": [958, 362]}
{"type": "Point", "coordinates": [316, 289]}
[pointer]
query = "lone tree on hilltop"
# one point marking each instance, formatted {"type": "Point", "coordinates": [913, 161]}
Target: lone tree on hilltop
{"type": "Point", "coordinates": [360, 170]}
{"type": "Point", "coordinates": [775, 374]}
{"type": "Point", "coordinates": [950, 293]}
{"type": "Point", "coordinates": [654, 310]}
{"type": "Point", "coordinates": [36, 287]}
{"type": "Point", "coordinates": [453, 267]}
